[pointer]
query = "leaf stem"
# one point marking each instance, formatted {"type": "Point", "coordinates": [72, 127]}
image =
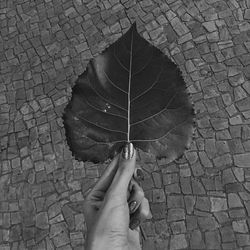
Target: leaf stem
{"type": "Point", "coordinates": [129, 83]}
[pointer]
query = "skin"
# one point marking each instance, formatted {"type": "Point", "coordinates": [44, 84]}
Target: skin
{"type": "Point", "coordinates": [111, 223]}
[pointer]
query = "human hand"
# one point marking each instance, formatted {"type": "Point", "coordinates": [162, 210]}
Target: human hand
{"type": "Point", "coordinates": [112, 218]}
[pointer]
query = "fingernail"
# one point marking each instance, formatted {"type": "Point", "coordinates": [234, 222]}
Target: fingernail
{"type": "Point", "coordinates": [134, 224]}
{"type": "Point", "coordinates": [139, 174]}
{"type": "Point", "coordinates": [132, 206]}
{"type": "Point", "coordinates": [128, 151]}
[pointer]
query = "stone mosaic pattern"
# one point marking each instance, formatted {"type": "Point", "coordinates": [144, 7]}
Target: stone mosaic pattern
{"type": "Point", "coordinates": [201, 201]}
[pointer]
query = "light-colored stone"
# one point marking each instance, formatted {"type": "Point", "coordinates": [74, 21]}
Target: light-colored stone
{"type": "Point", "coordinates": [242, 160]}
{"type": "Point", "coordinates": [234, 200]}
{"type": "Point", "coordinates": [178, 242]}
{"type": "Point", "coordinates": [42, 220]}
{"type": "Point", "coordinates": [247, 14]}
{"type": "Point", "coordinates": [210, 26]}
{"type": "Point", "coordinates": [69, 11]}
{"type": "Point", "coordinates": [27, 163]}
{"type": "Point", "coordinates": [218, 204]}
{"type": "Point", "coordinates": [179, 27]}
{"type": "Point", "coordinates": [239, 93]}
{"type": "Point", "coordinates": [240, 226]}
{"type": "Point", "coordinates": [239, 174]}
{"type": "Point", "coordinates": [236, 120]}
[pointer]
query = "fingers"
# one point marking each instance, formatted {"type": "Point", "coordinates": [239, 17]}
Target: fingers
{"type": "Point", "coordinates": [134, 238]}
{"type": "Point", "coordinates": [136, 196]}
{"type": "Point", "coordinates": [141, 214]}
{"type": "Point", "coordinates": [138, 174]}
{"type": "Point", "coordinates": [107, 177]}
{"type": "Point", "coordinates": [124, 172]}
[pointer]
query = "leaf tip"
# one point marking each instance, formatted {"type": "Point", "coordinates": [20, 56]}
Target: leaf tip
{"type": "Point", "coordinates": [133, 26]}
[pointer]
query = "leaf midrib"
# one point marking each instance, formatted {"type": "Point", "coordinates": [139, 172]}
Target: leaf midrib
{"type": "Point", "coordinates": [129, 83]}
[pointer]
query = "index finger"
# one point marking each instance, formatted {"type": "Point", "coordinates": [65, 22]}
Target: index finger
{"type": "Point", "coordinates": [124, 173]}
{"type": "Point", "coordinates": [106, 179]}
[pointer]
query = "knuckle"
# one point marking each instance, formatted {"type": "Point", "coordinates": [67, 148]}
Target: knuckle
{"type": "Point", "coordinates": [145, 212]}
{"type": "Point", "coordinates": [138, 188]}
{"type": "Point", "coordinates": [140, 194]}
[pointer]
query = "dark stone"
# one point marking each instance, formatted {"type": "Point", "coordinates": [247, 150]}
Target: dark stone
{"type": "Point", "coordinates": [196, 241]}
{"type": "Point", "coordinates": [42, 221]}
{"type": "Point", "coordinates": [227, 234]}
{"type": "Point", "coordinates": [185, 185]}
{"type": "Point", "coordinates": [197, 187]}
{"type": "Point", "coordinates": [197, 169]}
{"type": "Point", "coordinates": [243, 105]}
{"type": "Point", "coordinates": [28, 211]}
{"type": "Point", "coordinates": [196, 29]}
{"type": "Point", "coordinates": [28, 233]}
{"type": "Point", "coordinates": [213, 239]}
{"type": "Point", "coordinates": [235, 146]}
{"type": "Point", "coordinates": [207, 223]}
{"type": "Point", "coordinates": [175, 214]}
{"type": "Point", "coordinates": [234, 188]}
{"type": "Point", "coordinates": [228, 176]}
{"type": "Point", "coordinates": [15, 233]}
{"type": "Point", "coordinates": [237, 213]}
{"type": "Point", "coordinates": [175, 201]}
{"type": "Point", "coordinates": [40, 234]}
{"type": "Point", "coordinates": [189, 203]}
{"type": "Point", "coordinates": [192, 223]}
{"type": "Point", "coordinates": [222, 217]}
{"type": "Point", "coordinates": [203, 204]}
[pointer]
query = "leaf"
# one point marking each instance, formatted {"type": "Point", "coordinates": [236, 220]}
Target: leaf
{"type": "Point", "coordinates": [130, 92]}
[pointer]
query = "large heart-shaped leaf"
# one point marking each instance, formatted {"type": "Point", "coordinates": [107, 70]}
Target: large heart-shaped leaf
{"type": "Point", "coordinates": [130, 92]}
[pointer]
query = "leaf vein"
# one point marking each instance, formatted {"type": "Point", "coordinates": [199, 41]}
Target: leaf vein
{"type": "Point", "coordinates": [145, 65]}
{"type": "Point", "coordinates": [159, 138]}
{"type": "Point", "coordinates": [148, 89]}
{"type": "Point", "coordinates": [100, 142]}
{"type": "Point", "coordinates": [98, 125]}
{"type": "Point", "coordinates": [92, 106]}
{"type": "Point", "coordinates": [116, 105]}
{"type": "Point", "coordinates": [113, 84]}
{"type": "Point", "coordinates": [164, 109]}
{"type": "Point", "coordinates": [118, 60]}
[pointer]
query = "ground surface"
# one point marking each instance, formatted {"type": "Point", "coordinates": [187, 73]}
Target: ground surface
{"type": "Point", "coordinates": [201, 202]}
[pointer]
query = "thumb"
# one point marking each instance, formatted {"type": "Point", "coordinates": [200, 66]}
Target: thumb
{"type": "Point", "coordinates": [125, 171]}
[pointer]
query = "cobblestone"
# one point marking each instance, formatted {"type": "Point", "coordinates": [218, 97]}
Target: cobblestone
{"type": "Point", "coordinates": [42, 220]}
{"type": "Point", "coordinates": [242, 160]}
{"type": "Point", "coordinates": [198, 202]}
{"type": "Point", "coordinates": [175, 214]}
{"type": "Point", "coordinates": [218, 204]}
{"type": "Point", "coordinates": [240, 226]}
{"type": "Point", "coordinates": [178, 242]}
{"type": "Point", "coordinates": [227, 234]}
{"type": "Point", "coordinates": [212, 240]}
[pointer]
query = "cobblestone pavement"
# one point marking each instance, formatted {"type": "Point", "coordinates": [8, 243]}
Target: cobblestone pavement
{"type": "Point", "coordinates": [202, 201]}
